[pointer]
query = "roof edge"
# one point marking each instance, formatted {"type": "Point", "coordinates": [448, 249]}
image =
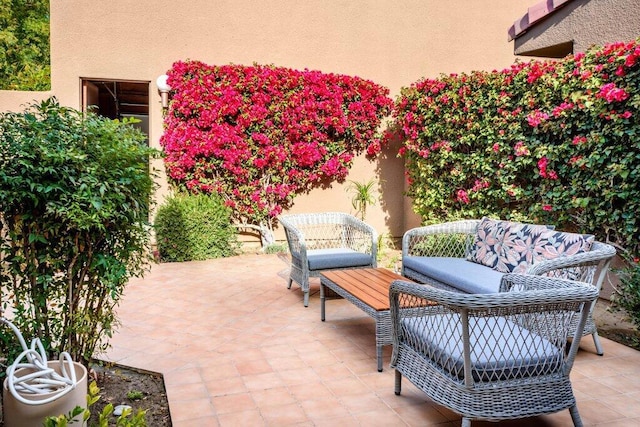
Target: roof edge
{"type": "Point", "coordinates": [535, 13]}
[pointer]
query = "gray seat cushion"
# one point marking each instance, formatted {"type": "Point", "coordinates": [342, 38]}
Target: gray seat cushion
{"type": "Point", "coordinates": [500, 349]}
{"type": "Point", "coordinates": [459, 273]}
{"type": "Point", "coordinates": [326, 259]}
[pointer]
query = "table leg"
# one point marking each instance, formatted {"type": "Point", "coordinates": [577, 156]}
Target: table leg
{"type": "Point", "coordinates": [321, 301]}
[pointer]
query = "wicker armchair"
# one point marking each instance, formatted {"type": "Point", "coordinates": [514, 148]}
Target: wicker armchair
{"type": "Point", "coordinates": [491, 356]}
{"type": "Point", "coordinates": [327, 241]}
{"type": "Point", "coordinates": [455, 239]}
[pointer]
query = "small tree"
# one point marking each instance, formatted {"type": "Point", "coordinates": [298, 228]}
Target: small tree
{"type": "Point", "coordinates": [362, 196]}
{"type": "Point", "coordinates": [74, 198]}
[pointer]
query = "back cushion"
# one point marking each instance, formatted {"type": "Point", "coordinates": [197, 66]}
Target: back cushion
{"type": "Point", "coordinates": [525, 250]}
{"type": "Point", "coordinates": [510, 247]}
{"type": "Point", "coordinates": [487, 245]}
{"type": "Point", "coordinates": [518, 247]}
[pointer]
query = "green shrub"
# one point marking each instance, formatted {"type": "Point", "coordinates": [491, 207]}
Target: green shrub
{"type": "Point", "coordinates": [554, 142]}
{"type": "Point", "coordinates": [194, 227]}
{"type": "Point", "coordinates": [627, 295]}
{"type": "Point", "coordinates": [75, 190]}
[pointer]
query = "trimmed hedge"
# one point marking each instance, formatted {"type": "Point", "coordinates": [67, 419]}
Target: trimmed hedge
{"type": "Point", "coordinates": [194, 227]}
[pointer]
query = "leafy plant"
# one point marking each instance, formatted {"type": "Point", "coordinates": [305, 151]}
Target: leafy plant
{"type": "Point", "coordinates": [543, 141]}
{"type": "Point", "coordinates": [276, 248]}
{"type": "Point", "coordinates": [627, 294]}
{"type": "Point", "coordinates": [74, 195]}
{"type": "Point", "coordinates": [24, 45]}
{"type": "Point", "coordinates": [135, 395]}
{"type": "Point", "coordinates": [258, 135]}
{"type": "Point", "coordinates": [194, 227]}
{"type": "Point", "coordinates": [126, 419]}
{"type": "Point", "coordinates": [363, 196]}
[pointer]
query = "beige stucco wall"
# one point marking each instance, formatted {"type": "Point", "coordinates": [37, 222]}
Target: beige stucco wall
{"type": "Point", "coordinates": [391, 42]}
{"type": "Point", "coordinates": [584, 23]}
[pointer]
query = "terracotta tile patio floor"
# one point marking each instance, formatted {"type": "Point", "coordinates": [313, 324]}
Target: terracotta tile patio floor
{"type": "Point", "coordinates": [237, 348]}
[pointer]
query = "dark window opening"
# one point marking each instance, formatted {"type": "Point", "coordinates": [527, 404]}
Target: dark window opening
{"type": "Point", "coordinates": [118, 99]}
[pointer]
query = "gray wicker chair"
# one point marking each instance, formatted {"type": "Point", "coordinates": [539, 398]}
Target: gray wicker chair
{"type": "Point", "coordinates": [491, 356]}
{"type": "Point", "coordinates": [455, 238]}
{"type": "Point", "coordinates": [327, 241]}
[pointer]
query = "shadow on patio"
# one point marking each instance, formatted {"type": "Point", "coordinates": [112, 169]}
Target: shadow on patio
{"type": "Point", "coordinates": [236, 347]}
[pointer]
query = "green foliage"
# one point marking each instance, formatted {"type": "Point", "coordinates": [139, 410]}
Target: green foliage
{"type": "Point", "coordinates": [194, 227]}
{"type": "Point", "coordinates": [74, 195]}
{"type": "Point", "coordinates": [627, 295]}
{"type": "Point", "coordinates": [362, 196]}
{"type": "Point", "coordinates": [126, 419]}
{"type": "Point", "coordinates": [276, 248]}
{"type": "Point", "coordinates": [548, 142]}
{"type": "Point", "coordinates": [135, 395]}
{"type": "Point", "coordinates": [24, 45]}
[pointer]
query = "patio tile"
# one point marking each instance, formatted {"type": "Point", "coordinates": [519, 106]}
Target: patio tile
{"type": "Point", "coordinates": [236, 347]}
{"type": "Point", "coordinates": [233, 403]}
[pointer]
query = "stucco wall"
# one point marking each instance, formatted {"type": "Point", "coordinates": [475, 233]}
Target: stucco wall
{"type": "Point", "coordinates": [15, 100]}
{"type": "Point", "coordinates": [391, 42]}
{"type": "Point", "coordinates": [584, 23]}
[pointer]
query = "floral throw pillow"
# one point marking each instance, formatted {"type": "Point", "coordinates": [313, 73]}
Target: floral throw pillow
{"type": "Point", "coordinates": [518, 247]}
{"type": "Point", "coordinates": [488, 242]}
{"type": "Point", "coordinates": [544, 245]}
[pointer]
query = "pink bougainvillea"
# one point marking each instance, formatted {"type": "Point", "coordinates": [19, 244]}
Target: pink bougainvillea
{"type": "Point", "coordinates": [553, 141]}
{"type": "Point", "coordinates": [258, 135]}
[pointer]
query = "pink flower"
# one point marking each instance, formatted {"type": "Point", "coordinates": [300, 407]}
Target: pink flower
{"type": "Point", "coordinates": [462, 196]}
{"type": "Point", "coordinates": [578, 139]}
{"type": "Point", "coordinates": [547, 208]}
{"type": "Point", "coordinates": [536, 117]}
{"type": "Point", "coordinates": [521, 149]}
{"type": "Point", "coordinates": [611, 93]}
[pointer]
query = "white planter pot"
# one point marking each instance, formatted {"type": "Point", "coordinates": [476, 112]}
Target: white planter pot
{"type": "Point", "coordinates": [19, 414]}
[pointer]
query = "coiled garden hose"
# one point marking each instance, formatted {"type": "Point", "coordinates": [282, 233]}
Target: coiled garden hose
{"type": "Point", "coordinates": [43, 379]}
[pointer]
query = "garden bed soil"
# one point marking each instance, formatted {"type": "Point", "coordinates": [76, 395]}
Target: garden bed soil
{"type": "Point", "coordinates": [118, 384]}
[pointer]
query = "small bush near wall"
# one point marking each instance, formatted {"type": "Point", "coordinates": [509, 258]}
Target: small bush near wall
{"type": "Point", "coordinates": [194, 227]}
{"type": "Point", "coordinates": [551, 142]}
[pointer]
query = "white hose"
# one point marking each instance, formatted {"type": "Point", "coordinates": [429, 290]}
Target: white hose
{"type": "Point", "coordinates": [43, 379]}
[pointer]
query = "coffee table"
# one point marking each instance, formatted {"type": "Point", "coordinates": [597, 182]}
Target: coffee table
{"type": "Point", "coordinates": [367, 289]}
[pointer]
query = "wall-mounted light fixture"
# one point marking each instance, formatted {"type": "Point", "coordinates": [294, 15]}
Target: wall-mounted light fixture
{"type": "Point", "coordinates": [164, 89]}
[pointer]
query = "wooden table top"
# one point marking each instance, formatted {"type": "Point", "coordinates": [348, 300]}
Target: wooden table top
{"type": "Point", "coordinates": [369, 285]}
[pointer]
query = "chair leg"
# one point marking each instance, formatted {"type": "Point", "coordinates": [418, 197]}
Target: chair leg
{"type": "Point", "coordinates": [290, 283]}
{"type": "Point", "coordinates": [306, 299]}
{"type": "Point", "coordinates": [466, 422]}
{"type": "Point", "coordinates": [398, 383]}
{"type": "Point", "coordinates": [596, 341]}
{"type": "Point", "coordinates": [575, 416]}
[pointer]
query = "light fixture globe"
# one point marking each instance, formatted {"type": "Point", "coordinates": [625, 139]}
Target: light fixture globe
{"type": "Point", "coordinates": [161, 82]}
{"type": "Point", "coordinates": [164, 89]}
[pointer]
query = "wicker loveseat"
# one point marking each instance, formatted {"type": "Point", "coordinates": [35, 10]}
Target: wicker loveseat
{"type": "Point", "coordinates": [491, 356]}
{"type": "Point", "coordinates": [472, 256]}
{"type": "Point", "coordinates": [327, 241]}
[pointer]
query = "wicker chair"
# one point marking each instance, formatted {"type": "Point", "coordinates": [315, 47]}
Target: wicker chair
{"type": "Point", "coordinates": [454, 239]}
{"type": "Point", "coordinates": [327, 241]}
{"type": "Point", "coordinates": [491, 356]}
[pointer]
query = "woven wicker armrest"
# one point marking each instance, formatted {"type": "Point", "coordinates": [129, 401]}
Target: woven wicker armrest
{"type": "Point", "coordinates": [599, 253]}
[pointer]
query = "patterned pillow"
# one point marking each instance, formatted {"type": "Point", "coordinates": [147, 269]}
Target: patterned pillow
{"type": "Point", "coordinates": [540, 245]}
{"type": "Point", "coordinates": [517, 246]}
{"type": "Point", "coordinates": [487, 245]}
